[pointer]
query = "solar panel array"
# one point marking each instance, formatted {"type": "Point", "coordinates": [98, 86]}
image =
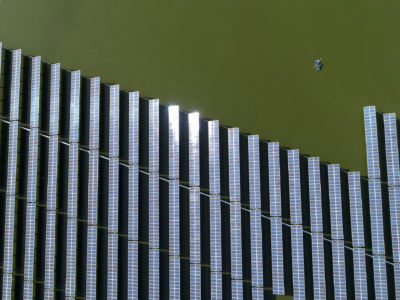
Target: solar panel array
{"type": "Point", "coordinates": [257, 274]}
{"type": "Point", "coordinates": [318, 259]}
{"type": "Point", "coordinates": [194, 205]}
{"type": "Point", "coordinates": [338, 258]}
{"type": "Point", "coordinates": [296, 224]}
{"type": "Point", "coordinates": [52, 171]}
{"type": "Point", "coordinates": [375, 202]}
{"type": "Point", "coordinates": [357, 231]}
{"type": "Point", "coordinates": [113, 173]}
{"type": "Point", "coordinates": [393, 182]}
{"type": "Point", "coordinates": [133, 205]}
{"type": "Point", "coordinates": [11, 173]}
{"type": "Point", "coordinates": [103, 250]}
{"type": "Point", "coordinates": [74, 98]}
{"type": "Point", "coordinates": [32, 177]}
{"type": "Point", "coordinates": [276, 219]}
{"type": "Point", "coordinates": [91, 252]}
{"type": "Point", "coordinates": [215, 210]}
{"type": "Point", "coordinates": [235, 213]}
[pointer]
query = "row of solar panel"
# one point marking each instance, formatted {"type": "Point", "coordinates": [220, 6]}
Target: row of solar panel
{"type": "Point", "coordinates": [265, 184]}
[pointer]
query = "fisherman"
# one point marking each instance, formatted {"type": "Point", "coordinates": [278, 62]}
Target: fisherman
{"type": "Point", "coordinates": [317, 64]}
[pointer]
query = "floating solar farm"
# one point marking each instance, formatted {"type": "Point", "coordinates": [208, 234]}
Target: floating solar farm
{"type": "Point", "coordinates": [106, 194]}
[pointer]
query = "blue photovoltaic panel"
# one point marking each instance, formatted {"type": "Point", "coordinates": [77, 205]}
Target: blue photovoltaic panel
{"type": "Point", "coordinates": [154, 274]}
{"type": "Point", "coordinates": [375, 203]}
{"type": "Point", "coordinates": [237, 289]}
{"type": "Point", "coordinates": [112, 267]}
{"type": "Point", "coordinates": [394, 203]}
{"type": "Point", "coordinates": [298, 262]}
{"type": "Point", "coordinates": [360, 274]}
{"type": "Point", "coordinates": [215, 245]}
{"type": "Point", "coordinates": [74, 98]}
{"type": "Point", "coordinates": [49, 255]}
{"type": "Point", "coordinates": [194, 146]}
{"type": "Point", "coordinates": [315, 194]}
{"type": "Point", "coordinates": [255, 216]}
{"type": "Point", "coordinates": [94, 93]}
{"type": "Point", "coordinates": [396, 267]}
{"type": "Point", "coordinates": [93, 186]}
{"type": "Point", "coordinates": [30, 223]}
{"type": "Point", "coordinates": [174, 265]}
{"type": "Point", "coordinates": [74, 106]}
{"type": "Point", "coordinates": [294, 187]}
{"type": "Point", "coordinates": [11, 174]}
{"type": "Point", "coordinates": [54, 99]}
{"type": "Point", "coordinates": [392, 152]}
{"type": "Point", "coordinates": [113, 195]}
{"type": "Point", "coordinates": [154, 128]}
{"type": "Point", "coordinates": [194, 206]}
{"type": "Point", "coordinates": [71, 258]}
{"type": "Point", "coordinates": [335, 202]}
{"type": "Point", "coordinates": [278, 287]}
{"type": "Point", "coordinates": [52, 181]}
{"type": "Point", "coordinates": [371, 139]}
{"type": "Point", "coordinates": [339, 270]}
{"type": "Point", "coordinates": [318, 265]}
{"type": "Point", "coordinates": [173, 145]}
{"type": "Point", "coordinates": [114, 121]}
{"type": "Point", "coordinates": [356, 210]}
{"type": "Point", "coordinates": [34, 92]}
{"type": "Point", "coordinates": [254, 172]}
{"type": "Point", "coordinates": [91, 262]}
{"type": "Point", "coordinates": [235, 210]}
{"type": "Point", "coordinates": [154, 242]}
{"type": "Point", "coordinates": [133, 212]}
{"type": "Point", "coordinates": [195, 281]}
{"type": "Point", "coordinates": [15, 84]}
{"type": "Point", "coordinates": [174, 279]}
{"type": "Point", "coordinates": [213, 159]}
{"type": "Point", "coordinates": [380, 277]}
{"type": "Point", "coordinates": [215, 210]}
{"type": "Point", "coordinates": [195, 254]}
{"type": "Point", "coordinates": [133, 127]}
{"type": "Point", "coordinates": [274, 179]}
{"type": "Point", "coordinates": [73, 180]}
{"type": "Point", "coordinates": [133, 273]}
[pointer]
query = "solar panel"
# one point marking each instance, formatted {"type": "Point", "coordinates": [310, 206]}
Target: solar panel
{"type": "Point", "coordinates": [114, 121]}
{"type": "Point", "coordinates": [357, 230]}
{"type": "Point", "coordinates": [335, 202]}
{"type": "Point", "coordinates": [339, 269]}
{"type": "Point", "coordinates": [255, 217]}
{"type": "Point", "coordinates": [294, 187]}
{"type": "Point", "coordinates": [318, 265]}
{"type": "Point", "coordinates": [133, 127]}
{"type": "Point", "coordinates": [392, 152]}
{"type": "Point", "coordinates": [194, 205]}
{"type": "Point", "coordinates": [360, 275]}
{"type": "Point", "coordinates": [133, 273]}
{"type": "Point", "coordinates": [375, 201]}
{"type": "Point", "coordinates": [112, 267]}
{"type": "Point", "coordinates": [235, 212]}
{"type": "Point", "coordinates": [91, 260]}
{"type": "Point", "coordinates": [276, 220]}
{"type": "Point", "coordinates": [394, 203]}
{"type": "Point", "coordinates": [133, 213]}
{"type": "Point", "coordinates": [371, 139]}
{"type": "Point", "coordinates": [11, 173]}
{"type": "Point", "coordinates": [318, 260]}
{"type": "Point", "coordinates": [74, 98]}
{"type": "Point", "coordinates": [296, 227]}
{"type": "Point", "coordinates": [380, 277]}
{"type": "Point", "coordinates": [215, 210]}
{"type": "Point", "coordinates": [396, 267]}
{"type": "Point", "coordinates": [71, 257]}
{"type": "Point", "coordinates": [52, 180]}
{"type": "Point", "coordinates": [297, 262]}
{"type": "Point", "coordinates": [154, 273]}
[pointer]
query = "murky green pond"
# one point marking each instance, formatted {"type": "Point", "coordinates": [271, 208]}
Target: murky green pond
{"type": "Point", "coordinates": [246, 63]}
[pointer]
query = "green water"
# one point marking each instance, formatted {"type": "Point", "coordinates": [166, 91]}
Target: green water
{"type": "Point", "coordinates": [246, 63]}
